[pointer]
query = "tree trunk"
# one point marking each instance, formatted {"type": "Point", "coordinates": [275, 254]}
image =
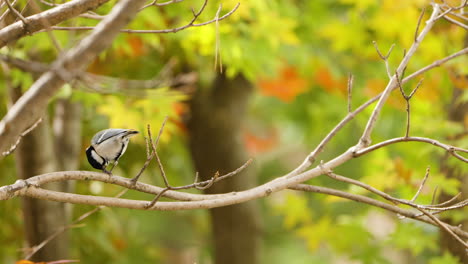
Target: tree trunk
{"type": "Point", "coordinates": [457, 113]}
{"type": "Point", "coordinates": [35, 155]}
{"type": "Point", "coordinates": [67, 132]}
{"type": "Point", "coordinates": [216, 145]}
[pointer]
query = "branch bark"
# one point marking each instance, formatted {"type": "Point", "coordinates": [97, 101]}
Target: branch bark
{"type": "Point", "coordinates": [53, 16]}
{"type": "Point", "coordinates": [366, 135]}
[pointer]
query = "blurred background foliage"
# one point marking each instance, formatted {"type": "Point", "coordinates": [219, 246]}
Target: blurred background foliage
{"type": "Point", "coordinates": [299, 55]}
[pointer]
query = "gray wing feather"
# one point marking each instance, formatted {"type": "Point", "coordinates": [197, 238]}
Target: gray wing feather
{"type": "Point", "coordinates": [103, 135]}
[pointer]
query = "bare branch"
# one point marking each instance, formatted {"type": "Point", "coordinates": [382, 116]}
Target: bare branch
{"type": "Point", "coordinates": [456, 22]}
{"type": "Point", "coordinates": [436, 63]}
{"type": "Point", "coordinates": [385, 58]}
{"type": "Point", "coordinates": [62, 229]}
{"type": "Point", "coordinates": [421, 185]}
{"type": "Point", "coordinates": [8, 9]}
{"type": "Point", "coordinates": [450, 149]}
{"type": "Point", "coordinates": [444, 226]}
{"type": "Point", "coordinates": [376, 203]}
{"type": "Point", "coordinates": [53, 16]}
{"type": "Point", "coordinates": [17, 14]}
{"type": "Point", "coordinates": [150, 146]}
{"type": "Point", "coordinates": [365, 138]}
{"type": "Point", "coordinates": [218, 45]}
{"type": "Point", "coordinates": [350, 89]}
{"type": "Point", "coordinates": [47, 26]}
{"type": "Point", "coordinates": [110, 85]}
{"type": "Point", "coordinates": [416, 32]}
{"type": "Point", "coordinates": [155, 3]}
{"type": "Point", "coordinates": [31, 128]}
{"type": "Point", "coordinates": [407, 100]}
{"type": "Point", "coordinates": [162, 31]}
{"type": "Point", "coordinates": [380, 53]}
{"type": "Point", "coordinates": [310, 159]}
{"type": "Point", "coordinates": [33, 103]}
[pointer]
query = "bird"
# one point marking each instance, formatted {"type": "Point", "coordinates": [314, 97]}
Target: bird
{"type": "Point", "coordinates": [107, 146]}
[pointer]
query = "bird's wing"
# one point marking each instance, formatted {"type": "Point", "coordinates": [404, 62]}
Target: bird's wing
{"type": "Point", "coordinates": [104, 135]}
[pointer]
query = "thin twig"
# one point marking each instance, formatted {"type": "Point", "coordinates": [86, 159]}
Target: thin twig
{"type": "Point", "coordinates": [217, 44]}
{"type": "Point", "coordinates": [371, 123]}
{"type": "Point", "coordinates": [446, 202]}
{"type": "Point", "coordinates": [456, 22]}
{"type": "Point", "coordinates": [7, 11]}
{"type": "Point", "coordinates": [370, 201]}
{"type": "Point", "coordinates": [407, 100]}
{"type": "Point", "coordinates": [421, 185]}
{"type": "Point", "coordinates": [149, 145]}
{"type": "Point", "coordinates": [384, 58]}
{"type": "Point", "coordinates": [436, 63]}
{"type": "Point", "coordinates": [27, 131]}
{"type": "Point", "coordinates": [419, 23]}
{"type": "Point", "coordinates": [47, 26]}
{"type": "Point", "coordinates": [385, 195]}
{"type": "Point", "coordinates": [155, 3]}
{"type": "Point", "coordinates": [450, 149]}
{"type": "Point", "coordinates": [443, 226]}
{"type": "Point", "coordinates": [310, 159]}
{"type": "Point", "coordinates": [380, 53]}
{"type": "Point", "coordinates": [350, 89]}
{"type": "Point", "coordinates": [64, 228]}
{"type": "Point", "coordinates": [17, 14]}
{"type": "Point", "coordinates": [198, 185]}
{"type": "Point", "coordinates": [434, 194]}
{"type": "Point", "coordinates": [162, 31]}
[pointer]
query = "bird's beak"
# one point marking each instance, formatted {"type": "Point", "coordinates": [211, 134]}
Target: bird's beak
{"type": "Point", "coordinates": [132, 132]}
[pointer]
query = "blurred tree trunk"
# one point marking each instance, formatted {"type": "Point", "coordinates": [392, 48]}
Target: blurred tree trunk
{"type": "Point", "coordinates": [36, 155]}
{"type": "Point", "coordinates": [67, 133]}
{"type": "Point", "coordinates": [457, 112]}
{"type": "Point", "coordinates": [216, 145]}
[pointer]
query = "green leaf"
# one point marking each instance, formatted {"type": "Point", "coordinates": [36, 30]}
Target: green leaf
{"type": "Point", "coordinates": [447, 258]}
{"type": "Point", "coordinates": [413, 237]}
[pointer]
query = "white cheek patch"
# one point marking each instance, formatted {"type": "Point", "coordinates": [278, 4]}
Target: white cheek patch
{"type": "Point", "coordinates": [96, 157]}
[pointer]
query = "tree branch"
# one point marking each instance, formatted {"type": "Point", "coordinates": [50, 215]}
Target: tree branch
{"type": "Point", "coordinates": [365, 138]}
{"type": "Point", "coordinates": [450, 149]}
{"type": "Point", "coordinates": [33, 103]}
{"type": "Point", "coordinates": [54, 16]}
{"type": "Point", "coordinates": [163, 31]}
{"type": "Point", "coordinates": [364, 199]}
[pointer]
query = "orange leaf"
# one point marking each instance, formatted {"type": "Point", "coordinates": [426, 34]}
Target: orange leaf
{"type": "Point", "coordinates": [286, 87]}
{"type": "Point", "coordinates": [258, 144]}
{"type": "Point", "coordinates": [325, 79]}
{"type": "Point", "coordinates": [402, 172]}
{"type": "Point", "coordinates": [119, 244]}
{"type": "Point", "coordinates": [137, 45]}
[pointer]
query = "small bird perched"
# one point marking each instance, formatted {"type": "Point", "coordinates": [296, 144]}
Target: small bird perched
{"type": "Point", "coordinates": [107, 146]}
